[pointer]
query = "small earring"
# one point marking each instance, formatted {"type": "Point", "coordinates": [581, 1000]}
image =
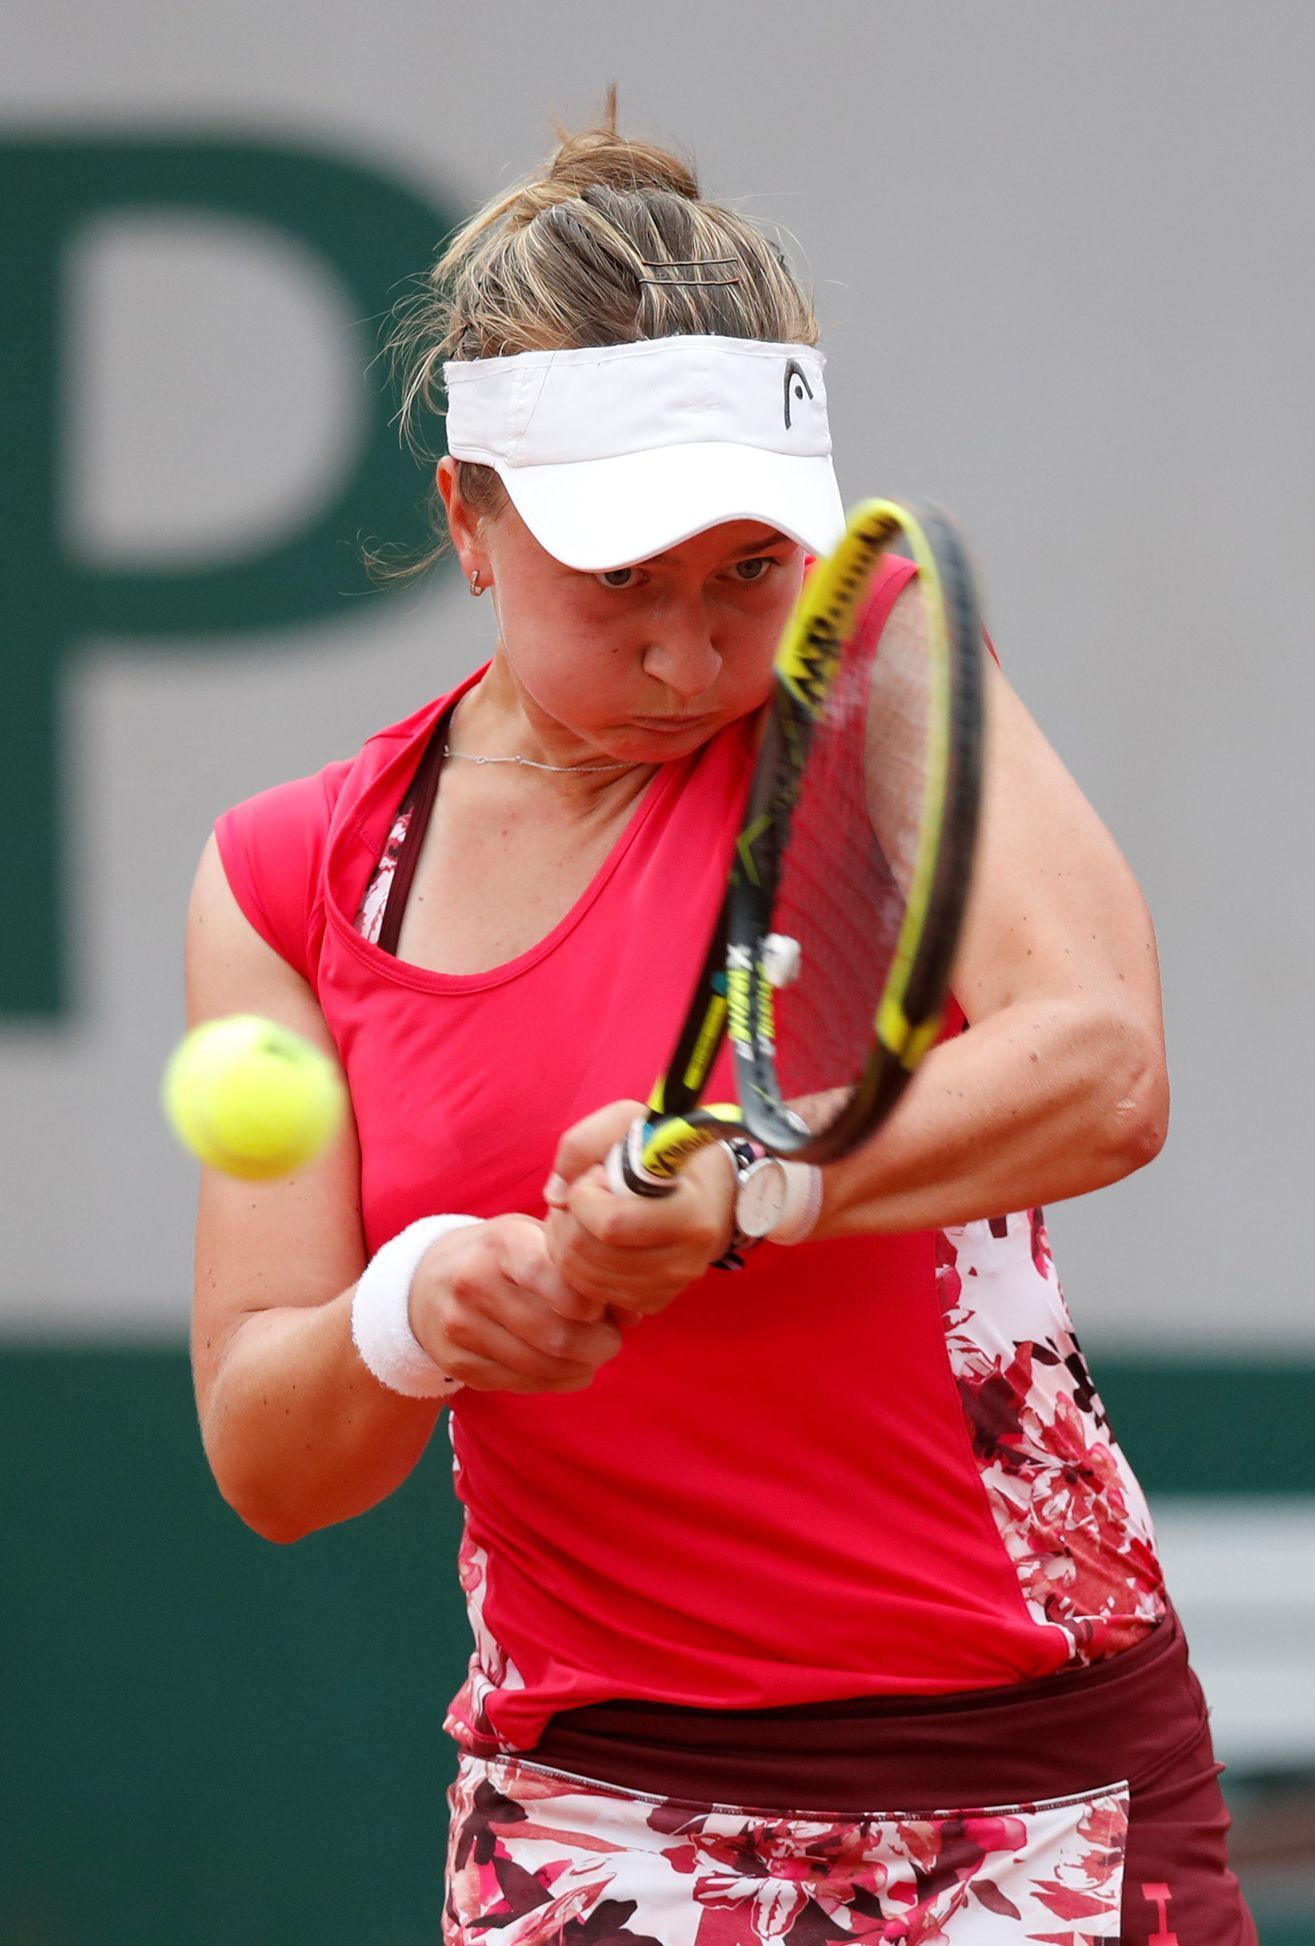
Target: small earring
{"type": "Point", "coordinates": [475, 588]}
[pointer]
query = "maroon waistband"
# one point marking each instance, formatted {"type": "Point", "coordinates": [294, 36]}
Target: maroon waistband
{"type": "Point", "coordinates": [1126, 1717]}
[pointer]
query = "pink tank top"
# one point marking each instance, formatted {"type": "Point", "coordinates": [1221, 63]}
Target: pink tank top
{"type": "Point", "coordinates": [873, 1466]}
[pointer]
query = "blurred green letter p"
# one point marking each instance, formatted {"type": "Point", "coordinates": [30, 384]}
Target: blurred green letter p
{"type": "Point", "coordinates": [373, 232]}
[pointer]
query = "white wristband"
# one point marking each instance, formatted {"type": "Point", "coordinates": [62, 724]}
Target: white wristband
{"type": "Point", "coordinates": [381, 1321]}
{"type": "Point", "coordinates": [803, 1203]}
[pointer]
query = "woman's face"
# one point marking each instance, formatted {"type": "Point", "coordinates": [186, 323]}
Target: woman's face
{"type": "Point", "coordinates": [643, 663]}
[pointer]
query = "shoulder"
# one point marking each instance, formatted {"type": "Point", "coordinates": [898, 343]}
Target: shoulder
{"type": "Point", "coordinates": [302, 809]}
{"type": "Point", "coordinates": [285, 810]}
{"type": "Point", "coordinates": [273, 845]}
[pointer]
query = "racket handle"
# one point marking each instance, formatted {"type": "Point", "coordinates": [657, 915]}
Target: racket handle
{"type": "Point", "coordinates": [626, 1174]}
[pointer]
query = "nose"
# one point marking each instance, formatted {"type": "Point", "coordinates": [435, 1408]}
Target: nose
{"type": "Point", "coordinates": [682, 654]}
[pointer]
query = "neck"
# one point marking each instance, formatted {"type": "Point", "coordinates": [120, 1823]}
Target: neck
{"type": "Point", "coordinates": [486, 730]}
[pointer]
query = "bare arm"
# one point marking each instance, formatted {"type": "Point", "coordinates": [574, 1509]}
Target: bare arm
{"type": "Point", "coordinates": [1061, 1085]}
{"type": "Point", "coordinates": [298, 1433]}
{"type": "Point", "coordinates": [1059, 1088]}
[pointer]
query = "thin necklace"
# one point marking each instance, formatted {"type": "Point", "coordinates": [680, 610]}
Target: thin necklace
{"type": "Point", "coordinates": [528, 763]}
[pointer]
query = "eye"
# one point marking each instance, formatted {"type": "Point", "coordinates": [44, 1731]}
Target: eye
{"type": "Point", "coordinates": [756, 569]}
{"type": "Point", "coordinates": [618, 577]}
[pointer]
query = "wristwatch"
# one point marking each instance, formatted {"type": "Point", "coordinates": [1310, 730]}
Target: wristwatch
{"type": "Point", "coordinates": [772, 1199]}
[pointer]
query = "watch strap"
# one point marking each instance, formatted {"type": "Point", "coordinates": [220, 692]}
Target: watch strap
{"type": "Point", "coordinates": [803, 1202]}
{"type": "Point", "coordinates": [743, 1154]}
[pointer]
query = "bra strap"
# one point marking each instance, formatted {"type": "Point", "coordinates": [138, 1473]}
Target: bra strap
{"type": "Point", "coordinates": [424, 788]}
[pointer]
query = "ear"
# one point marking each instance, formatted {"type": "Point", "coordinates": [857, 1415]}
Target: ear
{"type": "Point", "coordinates": [462, 524]}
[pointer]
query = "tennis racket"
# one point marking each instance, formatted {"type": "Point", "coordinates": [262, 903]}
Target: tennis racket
{"type": "Point", "coordinates": [830, 962]}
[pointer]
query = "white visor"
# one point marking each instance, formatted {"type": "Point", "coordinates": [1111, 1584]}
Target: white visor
{"type": "Point", "coordinates": [614, 453]}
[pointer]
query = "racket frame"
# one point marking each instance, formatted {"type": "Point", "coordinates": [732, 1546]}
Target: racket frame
{"type": "Point", "coordinates": [734, 995]}
{"type": "Point", "coordinates": [910, 1011]}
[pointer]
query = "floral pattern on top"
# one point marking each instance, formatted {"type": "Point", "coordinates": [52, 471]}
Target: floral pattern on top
{"type": "Point", "coordinates": [370, 918]}
{"type": "Point", "coordinates": [491, 1669]}
{"type": "Point", "coordinates": [1066, 1504]}
{"type": "Point", "coordinates": [536, 1857]}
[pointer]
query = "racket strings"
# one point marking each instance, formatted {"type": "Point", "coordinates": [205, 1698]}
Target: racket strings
{"type": "Point", "coordinates": [847, 863]}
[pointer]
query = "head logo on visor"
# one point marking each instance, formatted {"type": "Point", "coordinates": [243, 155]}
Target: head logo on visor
{"type": "Point", "coordinates": [796, 383]}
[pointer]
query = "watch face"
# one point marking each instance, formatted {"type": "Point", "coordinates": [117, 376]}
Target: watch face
{"type": "Point", "coordinates": [761, 1201]}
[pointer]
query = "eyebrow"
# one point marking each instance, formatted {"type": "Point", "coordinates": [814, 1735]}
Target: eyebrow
{"type": "Point", "coordinates": [760, 546]}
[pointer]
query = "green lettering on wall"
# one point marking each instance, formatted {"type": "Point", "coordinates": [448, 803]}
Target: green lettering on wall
{"type": "Point", "coordinates": [374, 232]}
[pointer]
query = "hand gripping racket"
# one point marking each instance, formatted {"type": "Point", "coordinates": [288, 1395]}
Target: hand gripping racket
{"type": "Point", "coordinates": [830, 962]}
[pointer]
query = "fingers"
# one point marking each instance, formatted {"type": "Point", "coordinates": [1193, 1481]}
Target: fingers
{"type": "Point", "coordinates": [638, 1253]}
{"type": "Point", "coordinates": [525, 1261]}
{"type": "Point", "coordinates": [516, 1304]}
{"type": "Point", "coordinates": [587, 1143]}
{"type": "Point", "coordinates": [523, 1352]}
{"type": "Point", "coordinates": [482, 1305]}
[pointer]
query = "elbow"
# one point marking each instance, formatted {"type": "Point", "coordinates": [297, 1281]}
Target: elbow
{"type": "Point", "coordinates": [282, 1533]}
{"type": "Point", "coordinates": [249, 1492]}
{"type": "Point", "coordinates": [255, 1511]}
{"type": "Point", "coordinates": [1137, 1118]}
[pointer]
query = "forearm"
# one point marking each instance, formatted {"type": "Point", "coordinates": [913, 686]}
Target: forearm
{"type": "Point", "coordinates": [1043, 1100]}
{"type": "Point", "coordinates": [298, 1433]}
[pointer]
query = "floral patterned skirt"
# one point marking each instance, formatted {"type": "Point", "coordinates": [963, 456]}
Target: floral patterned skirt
{"type": "Point", "coordinates": [542, 1854]}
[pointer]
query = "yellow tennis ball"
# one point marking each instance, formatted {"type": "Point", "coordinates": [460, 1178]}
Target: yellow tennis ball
{"type": "Point", "coordinates": [251, 1098]}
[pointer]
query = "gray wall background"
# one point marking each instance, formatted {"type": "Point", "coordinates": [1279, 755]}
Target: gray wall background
{"type": "Point", "coordinates": [1063, 258]}
{"type": "Point", "coordinates": [1062, 251]}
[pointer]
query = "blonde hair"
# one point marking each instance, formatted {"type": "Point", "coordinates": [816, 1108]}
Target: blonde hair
{"type": "Point", "coordinates": [607, 243]}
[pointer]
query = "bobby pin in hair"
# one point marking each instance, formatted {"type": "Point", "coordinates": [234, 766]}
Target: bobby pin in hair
{"type": "Point", "coordinates": [690, 263]}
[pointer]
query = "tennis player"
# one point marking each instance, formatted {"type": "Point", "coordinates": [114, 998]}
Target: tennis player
{"type": "Point", "coordinates": [812, 1599]}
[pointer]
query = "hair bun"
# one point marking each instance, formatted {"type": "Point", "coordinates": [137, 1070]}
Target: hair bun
{"type": "Point", "coordinates": [601, 158]}
{"type": "Point", "coordinates": [563, 259]}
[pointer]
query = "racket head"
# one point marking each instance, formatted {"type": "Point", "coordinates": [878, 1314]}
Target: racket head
{"type": "Point", "coordinates": [855, 856]}
{"type": "Point", "coordinates": [676, 1126]}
